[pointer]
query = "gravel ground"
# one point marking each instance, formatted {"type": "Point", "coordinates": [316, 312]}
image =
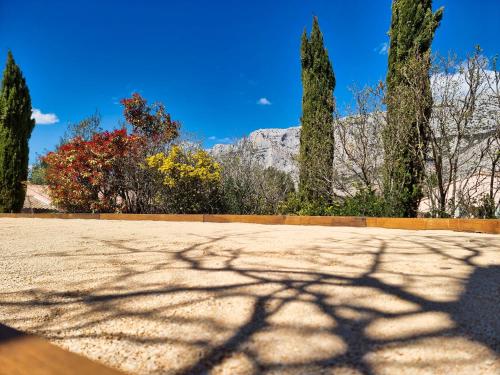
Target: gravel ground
{"type": "Point", "coordinates": [182, 298]}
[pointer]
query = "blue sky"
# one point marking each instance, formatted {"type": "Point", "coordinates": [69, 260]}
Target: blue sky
{"type": "Point", "coordinates": [223, 68]}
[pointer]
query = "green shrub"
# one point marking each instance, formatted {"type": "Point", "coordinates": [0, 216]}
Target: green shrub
{"type": "Point", "coordinates": [364, 203]}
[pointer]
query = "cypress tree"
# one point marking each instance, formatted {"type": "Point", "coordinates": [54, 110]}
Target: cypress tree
{"type": "Point", "coordinates": [409, 103]}
{"type": "Point", "coordinates": [316, 137]}
{"type": "Point", "coordinates": [16, 126]}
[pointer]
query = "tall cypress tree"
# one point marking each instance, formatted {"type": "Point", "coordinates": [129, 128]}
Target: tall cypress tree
{"type": "Point", "coordinates": [409, 103]}
{"type": "Point", "coordinates": [16, 126]}
{"type": "Point", "coordinates": [316, 137]}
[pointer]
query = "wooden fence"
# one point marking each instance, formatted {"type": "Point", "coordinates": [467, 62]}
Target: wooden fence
{"type": "Point", "coordinates": [461, 225]}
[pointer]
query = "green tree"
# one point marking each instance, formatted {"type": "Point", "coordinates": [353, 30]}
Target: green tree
{"type": "Point", "coordinates": [316, 138]}
{"type": "Point", "coordinates": [16, 126]}
{"type": "Point", "coordinates": [409, 103]}
{"type": "Point", "coordinates": [36, 173]}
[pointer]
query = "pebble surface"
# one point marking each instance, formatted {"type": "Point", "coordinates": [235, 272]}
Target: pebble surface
{"type": "Point", "coordinates": [181, 298]}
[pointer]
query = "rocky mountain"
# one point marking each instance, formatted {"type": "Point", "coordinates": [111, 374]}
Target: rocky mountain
{"type": "Point", "coordinates": [272, 147]}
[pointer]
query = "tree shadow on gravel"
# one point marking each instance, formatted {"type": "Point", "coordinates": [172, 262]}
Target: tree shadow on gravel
{"type": "Point", "coordinates": [477, 312]}
{"type": "Point", "coordinates": [273, 288]}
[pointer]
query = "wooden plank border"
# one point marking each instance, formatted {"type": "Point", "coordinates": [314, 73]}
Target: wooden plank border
{"type": "Point", "coordinates": [54, 216]}
{"type": "Point", "coordinates": [151, 217]}
{"type": "Point", "coordinates": [21, 353]}
{"type": "Point", "coordinates": [251, 219]}
{"type": "Point", "coordinates": [460, 225]}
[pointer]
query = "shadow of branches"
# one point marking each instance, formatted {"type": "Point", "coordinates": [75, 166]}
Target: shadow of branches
{"type": "Point", "coordinates": [355, 304]}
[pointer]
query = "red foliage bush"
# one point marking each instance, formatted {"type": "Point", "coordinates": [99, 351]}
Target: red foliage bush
{"type": "Point", "coordinates": [82, 175]}
{"type": "Point", "coordinates": [151, 121]}
{"type": "Point", "coordinates": [108, 173]}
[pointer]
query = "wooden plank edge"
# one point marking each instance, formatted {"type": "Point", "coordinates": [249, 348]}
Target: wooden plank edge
{"type": "Point", "coordinates": [21, 353]}
{"type": "Point", "coordinates": [491, 226]}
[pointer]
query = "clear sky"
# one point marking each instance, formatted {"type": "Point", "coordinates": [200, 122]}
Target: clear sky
{"type": "Point", "coordinates": [223, 68]}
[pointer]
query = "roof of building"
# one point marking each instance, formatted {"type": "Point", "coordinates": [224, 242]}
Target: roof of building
{"type": "Point", "coordinates": [37, 199]}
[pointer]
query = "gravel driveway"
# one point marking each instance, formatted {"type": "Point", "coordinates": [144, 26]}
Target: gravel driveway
{"type": "Point", "coordinates": [182, 298]}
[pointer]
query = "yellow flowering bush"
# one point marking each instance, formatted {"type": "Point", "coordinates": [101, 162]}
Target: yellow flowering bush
{"type": "Point", "coordinates": [178, 166]}
{"type": "Point", "coordinates": [191, 177]}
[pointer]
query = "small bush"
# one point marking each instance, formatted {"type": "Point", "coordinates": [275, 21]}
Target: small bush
{"type": "Point", "coordinates": [191, 179]}
{"type": "Point", "coordinates": [364, 203]}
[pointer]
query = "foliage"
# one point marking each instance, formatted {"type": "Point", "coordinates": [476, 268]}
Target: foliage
{"type": "Point", "coordinates": [149, 121]}
{"type": "Point", "coordinates": [409, 102]}
{"type": "Point", "coordinates": [79, 173]}
{"type": "Point", "coordinates": [37, 172]}
{"type": "Point", "coordinates": [250, 188]}
{"type": "Point", "coordinates": [191, 179]}
{"type": "Point", "coordinates": [316, 137]}
{"type": "Point", "coordinates": [364, 203]}
{"type": "Point", "coordinates": [486, 208]}
{"type": "Point", "coordinates": [482, 207]}
{"type": "Point", "coordinates": [179, 165]}
{"type": "Point", "coordinates": [101, 171]}
{"type": "Point", "coordinates": [154, 131]}
{"type": "Point", "coordinates": [16, 126]}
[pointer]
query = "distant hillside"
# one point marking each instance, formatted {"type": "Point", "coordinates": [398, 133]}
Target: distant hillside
{"type": "Point", "coordinates": [273, 148]}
